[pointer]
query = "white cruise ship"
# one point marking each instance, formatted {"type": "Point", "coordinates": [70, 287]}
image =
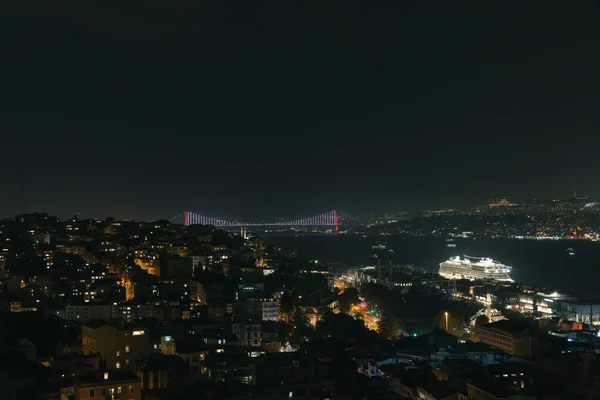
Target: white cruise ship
{"type": "Point", "coordinates": [473, 268]}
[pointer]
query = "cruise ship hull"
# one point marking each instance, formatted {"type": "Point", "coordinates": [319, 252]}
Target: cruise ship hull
{"type": "Point", "coordinates": [472, 268]}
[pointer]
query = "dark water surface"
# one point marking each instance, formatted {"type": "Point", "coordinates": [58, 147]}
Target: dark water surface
{"type": "Point", "coordinates": [545, 263]}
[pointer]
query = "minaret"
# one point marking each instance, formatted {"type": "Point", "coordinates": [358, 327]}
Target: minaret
{"type": "Point", "coordinates": [390, 270]}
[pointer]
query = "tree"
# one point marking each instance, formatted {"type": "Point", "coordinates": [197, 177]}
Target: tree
{"type": "Point", "coordinates": [374, 293]}
{"type": "Point", "coordinates": [347, 299]}
{"type": "Point", "coordinates": [286, 303]}
{"type": "Point", "coordinates": [302, 331]}
{"type": "Point", "coordinates": [456, 324]}
{"type": "Point", "coordinates": [27, 265]}
{"type": "Point", "coordinates": [389, 327]}
{"type": "Point", "coordinates": [482, 319]}
{"type": "Point", "coordinates": [68, 263]}
{"type": "Point", "coordinates": [285, 332]}
{"type": "Point", "coordinates": [342, 327]}
{"type": "Point", "coordinates": [21, 244]}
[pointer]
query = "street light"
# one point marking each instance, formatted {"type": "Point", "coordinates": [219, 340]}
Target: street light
{"type": "Point", "coordinates": [446, 315]}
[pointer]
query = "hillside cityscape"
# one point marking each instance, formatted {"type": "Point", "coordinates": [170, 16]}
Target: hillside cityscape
{"type": "Point", "coordinates": [159, 310]}
{"type": "Point", "coordinates": [576, 218]}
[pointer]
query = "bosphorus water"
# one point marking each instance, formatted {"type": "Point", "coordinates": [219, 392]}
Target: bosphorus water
{"type": "Point", "coordinates": [536, 262]}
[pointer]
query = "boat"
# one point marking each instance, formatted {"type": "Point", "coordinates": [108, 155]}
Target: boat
{"type": "Point", "coordinates": [379, 246]}
{"type": "Point", "coordinates": [451, 245]}
{"type": "Point", "coordinates": [474, 268]}
{"type": "Point", "coordinates": [571, 252]}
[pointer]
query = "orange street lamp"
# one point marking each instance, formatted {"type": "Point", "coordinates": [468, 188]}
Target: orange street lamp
{"type": "Point", "coordinates": [446, 315]}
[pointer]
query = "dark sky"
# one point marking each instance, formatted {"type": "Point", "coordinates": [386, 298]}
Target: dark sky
{"type": "Point", "coordinates": [144, 108]}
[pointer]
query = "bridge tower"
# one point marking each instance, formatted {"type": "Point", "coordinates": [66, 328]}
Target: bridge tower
{"type": "Point", "coordinates": [336, 220]}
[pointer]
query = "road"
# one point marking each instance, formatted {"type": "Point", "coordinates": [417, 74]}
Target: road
{"type": "Point", "coordinates": [360, 311]}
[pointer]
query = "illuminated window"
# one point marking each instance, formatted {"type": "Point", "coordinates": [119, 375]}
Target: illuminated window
{"type": "Point", "coordinates": [118, 353]}
{"type": "Point", "coordinates": [126, 348]}
{"type": "Point", "coordinates": [127, 362]}
{"type": "Point", "coordinates": [118, 365]}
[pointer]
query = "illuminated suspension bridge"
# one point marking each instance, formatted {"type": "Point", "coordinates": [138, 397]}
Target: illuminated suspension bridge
{"type": "Point", "coordinates": [328, 219]}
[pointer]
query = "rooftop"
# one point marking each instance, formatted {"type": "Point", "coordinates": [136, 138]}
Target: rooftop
{"type": "Point", "coordinates": [463, 364]}
{"type": "Point", "coordinates": [160, 362]}
{"type": "Point", "coordinates": [438, 389]}
{"type": "Point", "coordinates": [191, 346]}
{"type": "Point", "coordinates": [475, 347]}
{"type": "Point", "coordinates": [112, 377]}
{"type": "Point", "coordinates": [583, 300]}
{"type": "Point", "coordinates": [97, 323]}
{"type": "Point", "coordinates": [493, 388]}
{"type": "Point", "coordinates": [120, 325]}
{"type": "Point", "coordinates": [509, 367]}
{"type": "Point", "coordinates": [506, 326]}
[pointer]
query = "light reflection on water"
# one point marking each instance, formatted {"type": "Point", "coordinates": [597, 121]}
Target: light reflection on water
{"type": "Point", "coordinates": [545, 263]}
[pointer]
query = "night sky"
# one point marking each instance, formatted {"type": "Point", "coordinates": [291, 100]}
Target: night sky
{"type": "Point", "coordinates": [144, 108]}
